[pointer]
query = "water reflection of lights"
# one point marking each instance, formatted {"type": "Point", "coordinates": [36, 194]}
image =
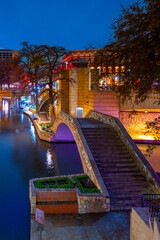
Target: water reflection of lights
{"type": "Point", "coordinates": [32, 130]}
{"type": "Point", "coordinates": [22, 118]}
{"type": "Point", "coordinates": [5, 106]}
{"type": "Point", "coordinates": [49, 163]}
{"type": "Point", "coordinates": [6, 109]}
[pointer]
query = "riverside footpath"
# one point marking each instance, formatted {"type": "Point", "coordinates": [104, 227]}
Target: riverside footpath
{"type": "Point", "coordinates": [99, 226]}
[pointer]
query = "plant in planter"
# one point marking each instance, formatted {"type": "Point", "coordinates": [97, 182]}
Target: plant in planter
{"type": "Point", "coordinates": [62, 182]}
{"type": "Point", "coordinates": [85, 185]}
{"type": "Point", "coordinates": [46, 127]}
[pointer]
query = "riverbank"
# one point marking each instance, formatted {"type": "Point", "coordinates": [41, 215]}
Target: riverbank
{"type": "Point", "coordinates": [45, 136]}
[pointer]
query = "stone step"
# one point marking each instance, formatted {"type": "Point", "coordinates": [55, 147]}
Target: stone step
{"type": "Point", "coordinates": [109, 148]}
{"type": "Point", "coordinates": [132, 189]}
{"type": "Point", "coordinates": [115, 156]}
{"type": "Point", "coordinates": [118, 169]}
{"type": "Point", "coordinates": [111, 155]}
{"type": "Point", "coordinates": [115, 164]}
{"type": "Point", "coordinates": [126, 185]}
{"type": "Point", "coordinates": [110, 151]}
{"type": "Point", "coordinates": [122, 172]}
{"type": "Point", "coordinates": [104, 128]}
{"type": "Point", "coordinates": [129, 201]}
{"type": "Point", "coordinates": [120, 208]}
{"type": "Point", "coordinates": [127, 178]}
{"type": "Point", "coordinates": [107, 144]}
{"type": "Point", "coordinates": [116, 160]}
{"type": "Point", "coordinates": [124, 207]}
{"type": "Point", "coordinates": [99, 130]}
{"type": "Point", "coordinates": [114, 174]}
{"type": "Point", "coordinates": [125, 195]}
{"type": "Point", "coordinates": [101, 134]}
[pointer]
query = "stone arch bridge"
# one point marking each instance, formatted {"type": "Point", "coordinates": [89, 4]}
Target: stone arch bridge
{"type": "Point", "coordinates": [110, 157]}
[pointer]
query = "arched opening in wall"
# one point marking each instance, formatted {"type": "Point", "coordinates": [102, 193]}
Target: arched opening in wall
{"type": "Point", "coordinates": [67, 152]}
{"type": "Point", "coordinates": [63, 134]}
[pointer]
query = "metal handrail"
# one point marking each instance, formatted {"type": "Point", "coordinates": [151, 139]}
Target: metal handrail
{"type": "Point", "coordinates": [153, 202]}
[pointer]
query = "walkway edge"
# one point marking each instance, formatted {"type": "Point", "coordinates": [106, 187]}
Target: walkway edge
{"type": "Point", "coordinates": [45, 136]}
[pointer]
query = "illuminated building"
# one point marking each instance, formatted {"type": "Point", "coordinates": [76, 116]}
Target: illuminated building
{"type": "Point", "coordinates": [104, 71]}
{"type": "Point", "coordinates": [6, 72]}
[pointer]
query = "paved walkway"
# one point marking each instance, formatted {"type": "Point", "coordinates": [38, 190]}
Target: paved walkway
{"type": "Point", "coordinates": [110, 226]}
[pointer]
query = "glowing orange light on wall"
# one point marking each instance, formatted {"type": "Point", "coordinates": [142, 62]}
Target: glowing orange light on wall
{"type": "Point", "coordinates": [122, 69]}
{"type": "Point", "coordinates": [104, 70]}
{"type": "Point", "coordinates": [110, 69]}
{"type": "Point", "coordinates": [116, 69]}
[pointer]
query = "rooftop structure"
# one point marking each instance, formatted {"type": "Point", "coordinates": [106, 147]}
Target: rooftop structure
{"type": "Point", "coordinates": [7, 53]}
{"type": "Point", "coordinates": [86, 54]}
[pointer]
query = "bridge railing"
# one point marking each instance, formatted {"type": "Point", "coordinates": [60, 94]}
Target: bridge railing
{"type": "Point", "coordinates": [152, 201]}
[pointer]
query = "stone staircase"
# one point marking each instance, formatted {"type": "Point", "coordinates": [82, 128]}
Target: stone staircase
{"type": "Point", "coordinates": [123, 180]}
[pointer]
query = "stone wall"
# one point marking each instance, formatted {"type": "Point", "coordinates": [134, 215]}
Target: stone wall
{"type": "Point", "coordinates": [73, 89]}
{"type": "Point", "coordinates": [78, 91]}
{"type": "Point", "coordinates": [142, 226]}
{"type": "Point", "coordinates": [151, 102]}
{"type": "Point", "coordinates": [142, 164]}
{"type": "Point", "coordinates": [87, 202]}
{"type": "Point", "coordinates": [106, 102]}
{"type": "Point", "coordinates": [91, 203]}
{"type": "Point", "coordinates": [135, 123]}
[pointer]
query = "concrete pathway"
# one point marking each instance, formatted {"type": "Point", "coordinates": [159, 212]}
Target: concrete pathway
{"type": "Point", "coordinates": [109, 226]}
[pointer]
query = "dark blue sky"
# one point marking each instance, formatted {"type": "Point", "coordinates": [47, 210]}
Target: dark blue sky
{"type": "Point", "coordinates": [72, 24]}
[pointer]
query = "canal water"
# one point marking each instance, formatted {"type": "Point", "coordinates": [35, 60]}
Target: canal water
{"type": "Point", "coordinates": [22, 157]}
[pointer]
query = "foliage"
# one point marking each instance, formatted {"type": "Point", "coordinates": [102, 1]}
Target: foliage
{"type": "Point", "coordinates": [153, 127]}
{"type": "Point", "coordinates": [136, 46]}
{"type": "Point", "coordinates": [41, 63]}
{"type": "Point", "coordinates": [46, 127]}
{"type": "Point", "coordinates": [80, 186]}
{"type": "Point", "coordinates": [52, 56]}
{"type": "Point", "coordinates": [69, 184]}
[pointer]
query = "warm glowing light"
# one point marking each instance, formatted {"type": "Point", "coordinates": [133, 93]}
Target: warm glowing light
{"type": "Point", "coordinates": [142, 137]}
{"type": "Point", "coordinates": [110, 69]}
{"type": "Point", "coordinates": [116, 69]}
{"type": "Point", "coordinates": [122, 69]}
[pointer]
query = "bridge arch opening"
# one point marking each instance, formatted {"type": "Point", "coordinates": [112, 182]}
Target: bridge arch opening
{"type": "Point", "coordinates": [64, 134]}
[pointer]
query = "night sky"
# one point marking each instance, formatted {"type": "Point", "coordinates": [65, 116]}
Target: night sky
{"type": "Point", "coordinates": [72, 24]}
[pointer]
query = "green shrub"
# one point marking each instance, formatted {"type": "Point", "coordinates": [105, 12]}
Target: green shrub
{"type": "Point", "coordinates": [69, 184]}
{"type": "Point", "coordinates": [46, 127]}
{"type": "Point", "coordinates": [80, 186]}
